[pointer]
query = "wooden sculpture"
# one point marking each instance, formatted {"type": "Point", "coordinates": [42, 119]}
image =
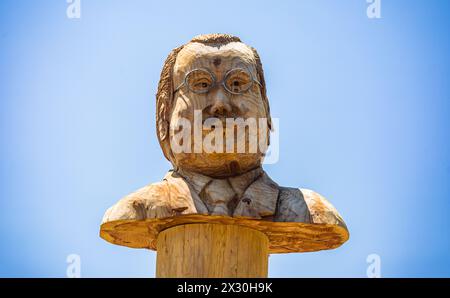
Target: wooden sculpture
{"type": "Point", "coordinates": [217, 213]}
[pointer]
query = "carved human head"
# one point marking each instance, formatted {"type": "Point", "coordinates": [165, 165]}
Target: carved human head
{"type": "Point", "coordinates": [215, 77]}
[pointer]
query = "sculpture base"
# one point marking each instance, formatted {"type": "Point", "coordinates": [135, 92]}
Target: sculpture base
{"type": "Point", "coordinates": [212, 250]}
{"type": "Point", "coordinates": [284, 237]}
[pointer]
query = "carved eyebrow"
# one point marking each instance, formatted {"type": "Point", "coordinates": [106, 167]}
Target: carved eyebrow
{"type": "Point", "coordinates": [248, 64]}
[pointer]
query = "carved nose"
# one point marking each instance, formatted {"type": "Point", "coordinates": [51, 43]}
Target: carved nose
{"type": "Point", "coordinates": [221, 106]}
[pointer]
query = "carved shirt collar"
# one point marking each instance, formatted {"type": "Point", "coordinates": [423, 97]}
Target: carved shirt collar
{"type": "Point", "coordinates": [257, 193]}
{"type": "Point", "coordinates": [238, 183]}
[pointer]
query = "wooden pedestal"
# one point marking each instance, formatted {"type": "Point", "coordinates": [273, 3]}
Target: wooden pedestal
{"type": "Point", "coordinates": [212, 250]}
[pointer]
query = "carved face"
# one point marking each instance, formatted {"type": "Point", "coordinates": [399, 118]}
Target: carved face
{"type": "Point", "coordinates": [217, 103]}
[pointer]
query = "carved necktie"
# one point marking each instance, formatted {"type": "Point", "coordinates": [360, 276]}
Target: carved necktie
{"type": "Point", "coordinates": [219, 197]}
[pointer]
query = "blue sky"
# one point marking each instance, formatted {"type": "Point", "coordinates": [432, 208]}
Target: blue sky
{"type": "Point", "coordinates": [364, 108]}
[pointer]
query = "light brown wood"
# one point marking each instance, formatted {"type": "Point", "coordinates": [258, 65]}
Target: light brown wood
{"type": "Point", "coordinates": [218, 53]}
{"type": "Point", "coordinates": [218, 183]}
{"type": "Point", "coordinates": [284, 237]}
{"type": "Point", "coordinates": [211, 250]}
{"type": "Point", "coordinates": [218, 213]}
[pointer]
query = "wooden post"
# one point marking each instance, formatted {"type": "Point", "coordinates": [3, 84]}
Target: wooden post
{"type": "Point", "coordinates": [212, 250]}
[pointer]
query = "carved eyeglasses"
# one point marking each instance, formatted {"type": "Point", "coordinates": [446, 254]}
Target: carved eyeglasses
{"type": "Point", "coordinates": [235, 81]}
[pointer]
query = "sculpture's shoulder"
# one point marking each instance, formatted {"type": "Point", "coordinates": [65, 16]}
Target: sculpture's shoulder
{"type": "Point", "coordinates": [169, 197]}
{"type": "Point", "coordinates": [321, 210]}
{"type": "Point", "coordinates": [304, 205]}
{"type": "Point", "coordinates": [291, 206]}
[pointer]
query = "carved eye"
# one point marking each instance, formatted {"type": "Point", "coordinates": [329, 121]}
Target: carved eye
{"type": "Point", "coordinates": [238, 81]}
{"type": "Point", "coordinates": [199, 81]}
{"type": "Point", "coordinates": [200, 86]}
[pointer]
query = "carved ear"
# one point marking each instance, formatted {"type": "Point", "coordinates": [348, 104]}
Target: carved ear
{"type": "Point", "coordinates": [164, 98]}
{"type": "Point", "coordinates": [163, 124]}
{"type": "Point", "coordinates": [260, 73]}
{"type": "Point", "coordinates": [163, 130]}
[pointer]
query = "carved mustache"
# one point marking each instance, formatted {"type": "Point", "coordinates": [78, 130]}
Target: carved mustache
{"type": "Point", "coordinates": [222, 115]}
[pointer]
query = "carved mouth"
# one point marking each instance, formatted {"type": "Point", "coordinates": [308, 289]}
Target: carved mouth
{"type": "Point", "coordinates": [222, 119]}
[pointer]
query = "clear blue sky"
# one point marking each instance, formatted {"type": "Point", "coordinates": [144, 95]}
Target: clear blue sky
{"type": "Point", "coordinates": [364, 107]}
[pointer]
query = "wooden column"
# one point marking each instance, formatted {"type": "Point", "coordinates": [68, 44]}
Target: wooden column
{"type": "Point", "coordinates": [212, 250]}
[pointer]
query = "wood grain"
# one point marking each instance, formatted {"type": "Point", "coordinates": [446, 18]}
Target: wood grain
{"type": "Point", "coordinates": [212, 250]}
{"type": "Point", "coordinates": [284, 237]}
{"type": "Point", "coordinates": [292, 219]}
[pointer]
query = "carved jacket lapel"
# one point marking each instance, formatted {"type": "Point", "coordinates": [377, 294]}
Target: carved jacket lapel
{"type": "Point", "coordinates": [183, 195]}
{"type": "Point", "coordinates": [259, 200]}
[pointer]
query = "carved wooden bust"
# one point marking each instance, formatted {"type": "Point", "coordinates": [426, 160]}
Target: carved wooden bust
{"type": "Point", "coordinates": [216, 77]}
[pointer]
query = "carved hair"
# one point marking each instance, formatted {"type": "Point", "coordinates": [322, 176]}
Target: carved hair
{"type": "Point", "coordinates": [164, 95]}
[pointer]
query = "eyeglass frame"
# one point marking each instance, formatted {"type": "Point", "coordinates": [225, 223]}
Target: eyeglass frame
{"type": "Point", "coordinates": [222, 82]}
